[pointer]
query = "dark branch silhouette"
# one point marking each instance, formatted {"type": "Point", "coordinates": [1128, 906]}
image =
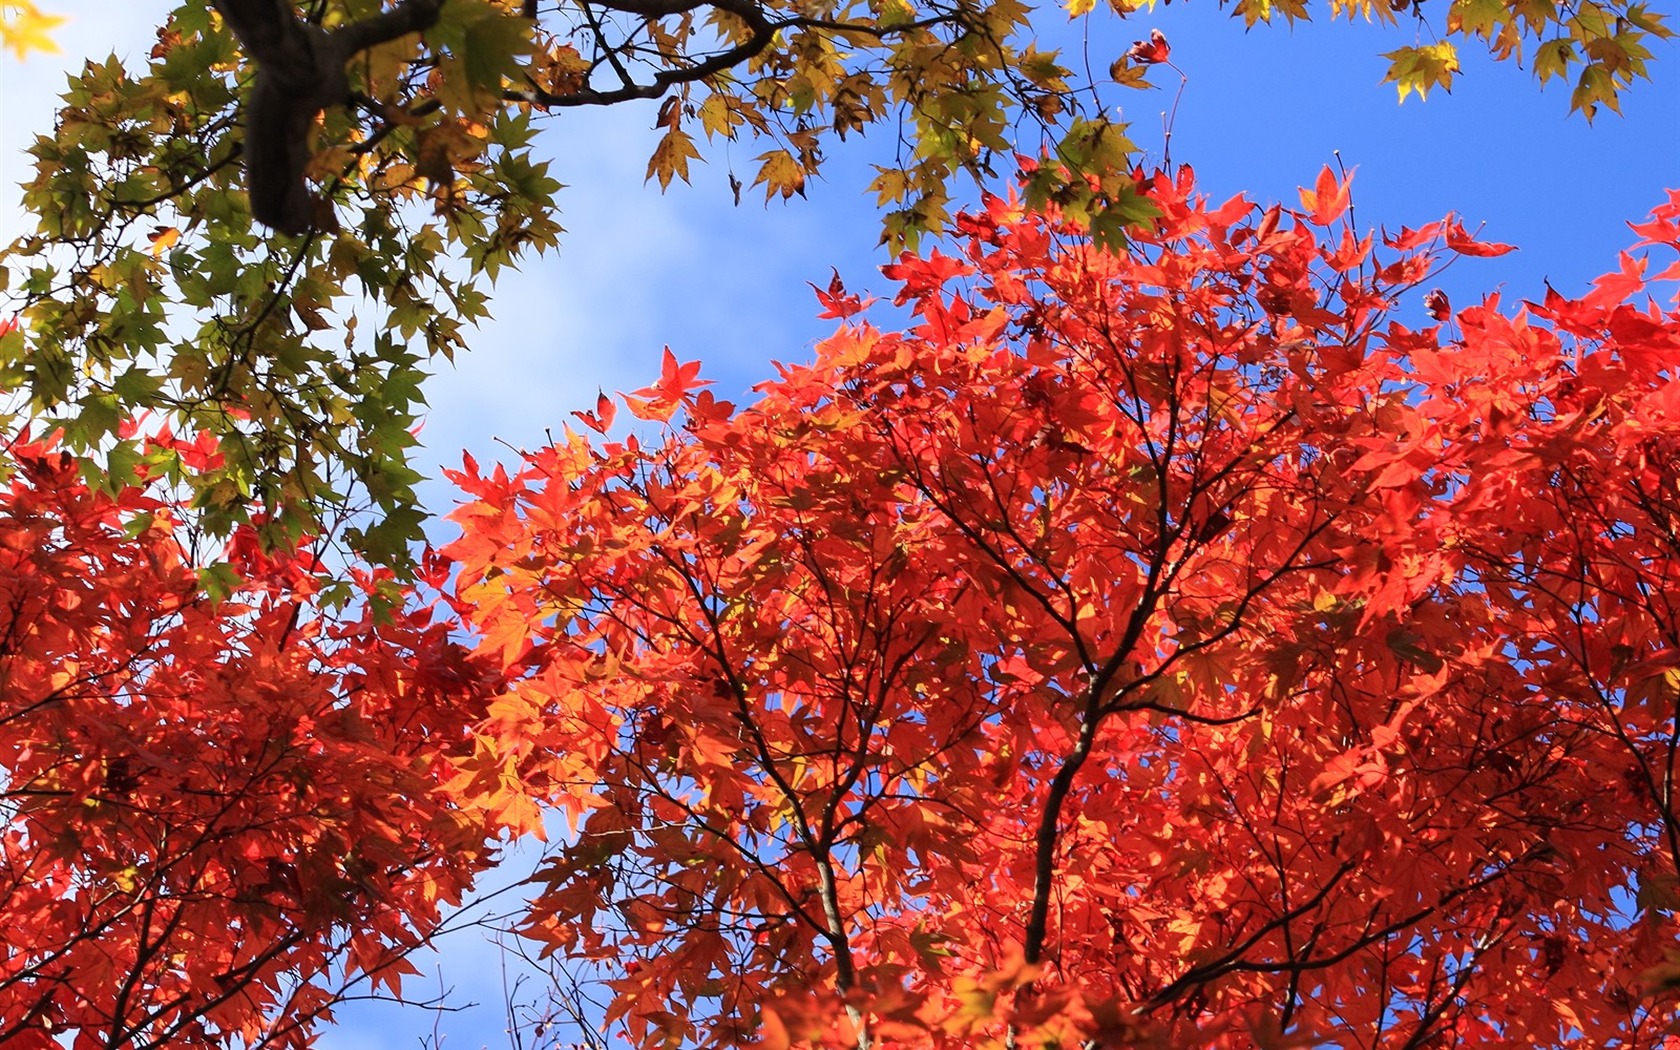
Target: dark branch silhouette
{"type": "Point", "coordinates": [300, 72]}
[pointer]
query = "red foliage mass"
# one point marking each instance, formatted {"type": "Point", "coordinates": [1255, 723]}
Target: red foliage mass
{"type": "Point", "coordinates": [1167, 648]}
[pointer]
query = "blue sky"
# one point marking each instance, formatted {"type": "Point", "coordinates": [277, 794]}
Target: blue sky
{"type": "Point", "coordinates": [1261, 113]}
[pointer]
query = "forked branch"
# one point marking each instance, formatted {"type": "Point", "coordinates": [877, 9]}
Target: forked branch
{"type": "Point", "coordinates": [300, 72]}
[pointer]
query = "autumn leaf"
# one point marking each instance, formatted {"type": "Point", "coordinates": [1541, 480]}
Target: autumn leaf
{"type": "Point", "coordinates": [1421, 68]}
{"type": "Point", "coordinates": [670, 158]}
{"type": "Point", "coordinates": [780, 173]}
{"type": "Point", "coordinates": [161, 238]}
{"type": "Point", "coordinates": [601, 419]}
{"type": "Point", "coordinates": [25, 29]}
{"type": "Point", "coordinates": [1327, 202]}
{"type": "Point", "coordinates": [1462, 242]}
{"type": "Point", "coordinates": [1152, 51]}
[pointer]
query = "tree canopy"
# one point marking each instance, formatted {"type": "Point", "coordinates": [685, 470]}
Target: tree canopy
{"type": "Point", "coordinates": [1174, 623]}
{"type": "Point", "coordinates": [220, 814]}
{"type": "Point", "coordinates": [146, 288]}
{"type": "Point", "coordinates": [1162, 648]}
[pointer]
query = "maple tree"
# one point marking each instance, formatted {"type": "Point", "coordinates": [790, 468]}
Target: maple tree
{"type": "Point", "coordinates": [221, 816]}
{"type": "Point", "coordinates": [1162, 643]}
{"type": "Point", "coordinates": [147, 288]}
{"type": "Point", "coordinates": [1217, 643]}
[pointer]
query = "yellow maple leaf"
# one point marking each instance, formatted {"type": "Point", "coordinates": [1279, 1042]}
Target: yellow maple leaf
{"type": "Point", "coordinates": [780, 173]}
{"type": "Point", "coordinates": [162, 238]}
{"type": "Point", "coordinates": [1421, 68]}
{"type": "Point", "coordinates": [24, 28]}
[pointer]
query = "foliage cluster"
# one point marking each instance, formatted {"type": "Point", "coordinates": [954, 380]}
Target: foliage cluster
{"type": "Point", "coordinates": [1169, 648]}
{"type": "Point", "coordinates": [146, 288]}
{"type": "Point", "coordinates": [1163, 641]}
{"type": "Point", "coordinates": [219, 813]}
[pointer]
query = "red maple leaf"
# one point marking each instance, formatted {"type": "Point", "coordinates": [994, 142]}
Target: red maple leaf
{"type": "Point", "coordinates": [1152, 51]}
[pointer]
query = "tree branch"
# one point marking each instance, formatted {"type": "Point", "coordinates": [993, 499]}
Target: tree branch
{"type": "Point", "coordinates": [300, 72]}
